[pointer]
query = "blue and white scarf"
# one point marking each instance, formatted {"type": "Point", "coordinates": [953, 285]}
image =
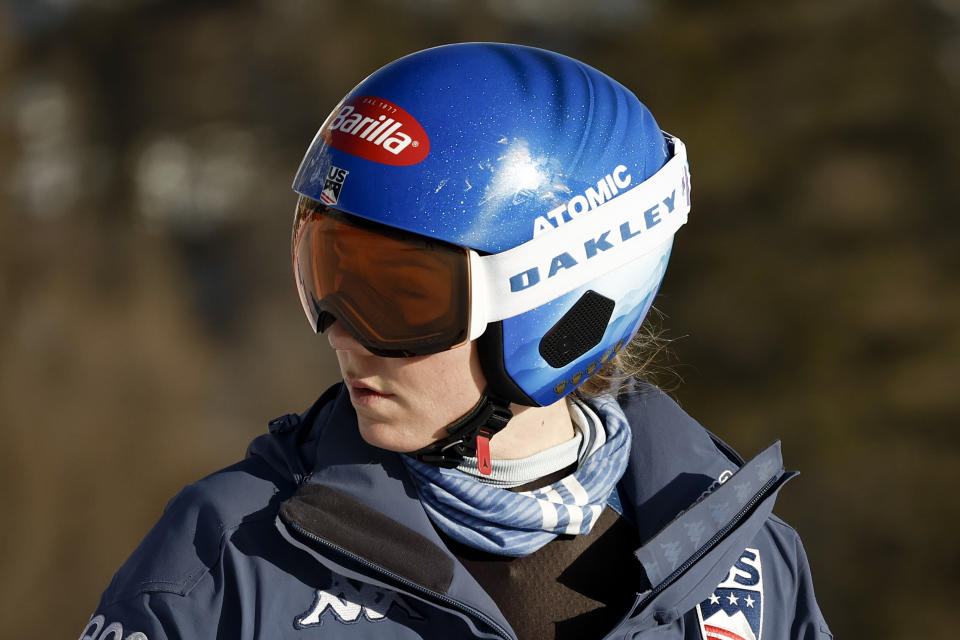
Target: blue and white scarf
{"type": "Point", "coordinates": [504, 522]}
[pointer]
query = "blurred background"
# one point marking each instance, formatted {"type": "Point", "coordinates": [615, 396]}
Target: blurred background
{"type": "Point", "coordinates": [149, 326]}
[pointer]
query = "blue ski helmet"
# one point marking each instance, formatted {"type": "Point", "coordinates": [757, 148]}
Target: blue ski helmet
{"type": "Point", "coordinates": [555, 180]}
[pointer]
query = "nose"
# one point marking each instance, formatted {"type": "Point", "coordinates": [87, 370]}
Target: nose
{"type": "Point", "coordinates": [342, 340]}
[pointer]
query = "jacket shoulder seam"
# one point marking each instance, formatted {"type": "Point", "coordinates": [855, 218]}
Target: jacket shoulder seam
{"type": "Point", "coordinates": [185, 585]}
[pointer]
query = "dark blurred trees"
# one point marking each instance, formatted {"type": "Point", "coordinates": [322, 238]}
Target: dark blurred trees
{"type": "Point", "coordinates": [149, 325]}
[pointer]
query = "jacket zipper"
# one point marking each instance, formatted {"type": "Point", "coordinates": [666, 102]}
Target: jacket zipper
{"type": "Point", "coordinates": [702, 551]}
{"type": "Point", "coordinates": [409, 584]}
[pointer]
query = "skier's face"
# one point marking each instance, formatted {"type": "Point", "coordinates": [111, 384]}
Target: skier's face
{"type": "Point", "coordinates": [403, 404]}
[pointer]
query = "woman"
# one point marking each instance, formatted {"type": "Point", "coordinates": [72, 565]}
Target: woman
{"type": "Point", "coordinates": [480, 232]}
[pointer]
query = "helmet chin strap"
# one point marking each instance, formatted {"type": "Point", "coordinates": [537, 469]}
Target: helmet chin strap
{"type": "Point", "coordinates": [470, 435]}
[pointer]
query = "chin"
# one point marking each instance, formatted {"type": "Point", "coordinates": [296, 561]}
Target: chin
{"type": "Point", "coordinates": [390, 437]}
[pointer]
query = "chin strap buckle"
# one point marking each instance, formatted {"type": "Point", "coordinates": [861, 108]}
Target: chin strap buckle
{"type": "Point", "coordinates": [470, 435]}
{"type": "Point", "coordinates": [484, 465]}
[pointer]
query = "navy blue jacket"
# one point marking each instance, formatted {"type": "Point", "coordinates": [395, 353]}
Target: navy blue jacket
{"type": "Point", "coordinates": [316, 534]}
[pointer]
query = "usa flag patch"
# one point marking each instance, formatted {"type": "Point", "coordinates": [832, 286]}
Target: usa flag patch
{"type": "Point", "coordinates": [734, 611]}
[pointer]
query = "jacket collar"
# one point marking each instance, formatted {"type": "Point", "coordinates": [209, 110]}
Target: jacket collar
{"type": "Point", "coordinates": [359, 499]}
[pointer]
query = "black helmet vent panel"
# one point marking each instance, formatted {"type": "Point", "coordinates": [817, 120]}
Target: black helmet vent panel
{"type": "Point", "coordinates": [578, 331]}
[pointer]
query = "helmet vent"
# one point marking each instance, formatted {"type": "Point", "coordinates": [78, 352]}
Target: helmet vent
{"type": "Point", "coordinates": [579, 330]}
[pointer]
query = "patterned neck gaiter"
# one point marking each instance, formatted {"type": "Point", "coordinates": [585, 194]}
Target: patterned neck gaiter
{"type": "Point", "coordinates": [496, 520]}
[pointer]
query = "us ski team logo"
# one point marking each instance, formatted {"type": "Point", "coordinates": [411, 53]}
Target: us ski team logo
{"type": "Point", "coordinates": [349, 604]}
{"type": "Point", "coordinates": [734, 611]}
{"type": "Point", "coordinates": [332, 186]}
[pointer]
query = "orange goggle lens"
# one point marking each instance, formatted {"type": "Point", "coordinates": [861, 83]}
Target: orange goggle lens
{"type": "Point", "coordinates": [398, 293]}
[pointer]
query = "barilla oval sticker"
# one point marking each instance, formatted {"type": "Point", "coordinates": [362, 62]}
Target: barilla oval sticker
{"type": "Point", "coordinates": [378, 130]}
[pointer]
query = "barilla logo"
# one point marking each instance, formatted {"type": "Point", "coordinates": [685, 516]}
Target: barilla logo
{"type": "Point", "coordinates": [378, 130]}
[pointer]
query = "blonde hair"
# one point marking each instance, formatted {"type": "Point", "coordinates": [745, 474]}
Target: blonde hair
{"type": "Point", "coordinates": [642, 362]}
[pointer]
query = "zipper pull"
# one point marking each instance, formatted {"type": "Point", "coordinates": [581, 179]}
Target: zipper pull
{"type": "Point", "coordinates": [483, 453]}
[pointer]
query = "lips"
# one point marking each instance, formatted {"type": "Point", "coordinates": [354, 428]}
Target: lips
{"type": "Point", "coordinates": [360, 389]}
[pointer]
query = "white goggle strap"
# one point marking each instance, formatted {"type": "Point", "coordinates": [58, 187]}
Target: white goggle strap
{"type": "Point", "coordinates": [555, 262]}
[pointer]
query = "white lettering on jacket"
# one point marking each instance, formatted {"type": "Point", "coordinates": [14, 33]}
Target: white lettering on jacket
{"type": "Point", "coordinates": [348, 603]}
{"type": "Point", "coordinates": [98, 629]}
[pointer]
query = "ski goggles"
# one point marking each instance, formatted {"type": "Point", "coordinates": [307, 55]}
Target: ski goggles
{"type": "Point", "coordinates": [401, 294]}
